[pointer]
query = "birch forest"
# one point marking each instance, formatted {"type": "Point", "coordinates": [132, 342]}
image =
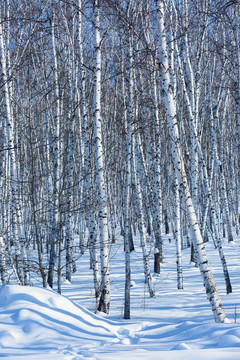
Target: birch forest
{"type": "Point", "coordinates": [118, 114]}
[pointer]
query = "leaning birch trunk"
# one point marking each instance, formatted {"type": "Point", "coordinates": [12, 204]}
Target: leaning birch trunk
{"type": "Point", "coordinates": [223, 192]}
{"type": "Point", "coordinates": [170, 105]}
{"type": "Point", "coordinates": [104, 301]}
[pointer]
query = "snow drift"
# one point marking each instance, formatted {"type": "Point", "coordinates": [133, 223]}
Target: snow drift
{"type": "Point", "coordinates": [36, 321]}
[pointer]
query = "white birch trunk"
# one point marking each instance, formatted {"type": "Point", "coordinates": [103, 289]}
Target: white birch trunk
{"type": "Point", "coordinates": [127, 229]}
{"type": "Point", "coordinates": [69, 233]}
{"type": "Point", "coordinates": [55, 155]}
{"type": "Point", "coordinates": [178, 234]}
{"type": "Point", "coordinates": [104, 301]}
{"type": "Point", "coordinates": [87, 165]}
{"type": "Point", "coordinates": [72, 74]}
{"type": "Point", "coordinates": [157, 187]}
{"type": "Point", "coordinates": [3, 267]}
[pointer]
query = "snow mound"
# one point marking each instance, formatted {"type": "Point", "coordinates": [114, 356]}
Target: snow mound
{"type": "Point", "coordinates": [34, 317]}
{"type": "Point", "coordinates": [229, 340]}
{"type": "Point", "coordinates": [181, 346]}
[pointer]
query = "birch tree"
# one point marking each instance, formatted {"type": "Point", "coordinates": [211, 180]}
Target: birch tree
{"type": "Point", "coordinates": [104, 301]}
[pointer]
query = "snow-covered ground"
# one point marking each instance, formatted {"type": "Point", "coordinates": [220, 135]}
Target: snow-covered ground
{"type": "Point", "coordinates": [36, 323]}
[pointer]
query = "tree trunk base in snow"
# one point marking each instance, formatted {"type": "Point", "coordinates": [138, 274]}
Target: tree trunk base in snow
{"type": "Point", "coordinates": [103, 305]}
{"type": "Point", "coordinates": [157, 263]}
